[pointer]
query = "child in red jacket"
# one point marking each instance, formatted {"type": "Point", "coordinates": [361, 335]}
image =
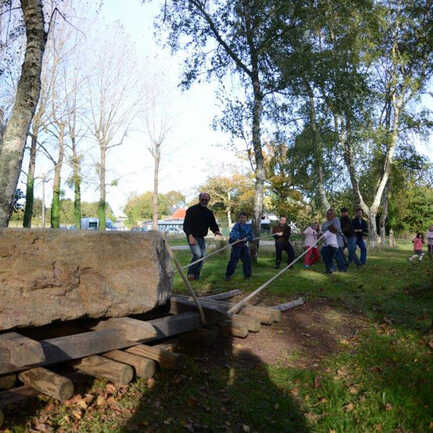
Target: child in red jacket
{"type": "Point", "coordinates": [418, 242]}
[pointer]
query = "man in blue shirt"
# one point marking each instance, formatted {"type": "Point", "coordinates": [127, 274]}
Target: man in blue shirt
{"type": "Point", "coordinates": [240, 231]}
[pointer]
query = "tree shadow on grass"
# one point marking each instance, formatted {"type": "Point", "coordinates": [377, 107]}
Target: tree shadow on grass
{"type": "Point", "coordinates": [220, 389]}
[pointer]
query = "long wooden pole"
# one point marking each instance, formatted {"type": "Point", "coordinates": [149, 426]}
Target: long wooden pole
{"type": "Point", "coordinates": [241, 303]}
{"type": "Point", "coordinates": [186, 282]}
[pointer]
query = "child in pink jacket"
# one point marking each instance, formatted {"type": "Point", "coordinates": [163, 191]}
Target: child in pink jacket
{"type": "Point", "coordinates": [418, 242]}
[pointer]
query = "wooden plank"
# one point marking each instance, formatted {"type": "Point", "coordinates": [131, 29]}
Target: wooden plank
{"type": "Point", "coordinates": [61, 349]}
{"type": "Point", "coordinates": [98, 366]}
{"type": "Point", "coordinates": [289, 305]}
{"type": "Point", "coordinates": [22, 350]}
{"type": "Point", "coordinates": [16, 395]}
{"type": "Point", "coordinates": [132, 329]}
{"type": "Point", "coordinates": [232, 329]}
{"type": "Point", "coordinates": [264, 314]}
{"type": "Point", "coordinates": [48, 382]}
{"type": "Point", "coordinates": [8, 381]}
{"type": "Point", "coordinates": [167, 360]}
{"type": "Point", "coordinates": [222, 296]}
{"type": "Point", "coordinates": [143, 367]}
{"type": "Point", "coordinates": [252, 324]}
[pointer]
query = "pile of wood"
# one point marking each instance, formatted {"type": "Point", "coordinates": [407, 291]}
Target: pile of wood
{"type": "Point", "coordinates": [117, 349]}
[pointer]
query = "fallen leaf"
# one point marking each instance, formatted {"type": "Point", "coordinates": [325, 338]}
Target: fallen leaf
{"type": "Point", "coordinates": [88, 398]}
{"type": "Point", "coordinates": [77, 413]}
{"type": "Point", "coordinates": [353, 390]}
{"type": "Point", "coordinates": [111, 389]}
{"type": "Point", "coordinates": [245, 428]}
{"type": "Point", "coordinates": [430, 426]}
{"type": "Point", "coordinates": [317, 381]}
{"type": "Point", "coordinates": [349, 407]}
{"type": "Point", "coordinates": [101, 401]}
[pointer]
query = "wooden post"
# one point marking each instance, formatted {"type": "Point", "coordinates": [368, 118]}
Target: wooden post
{"type": "Point", "coordinates": [116, 372]}
{"type": "Point", "coordinates": [78, 346]}
{"type": "Point", "coordinates": [168, 360]}
{"type": "Point", "coordinates": [49, 383]}
{"type": "Point", "coordinates": [186, 282]}
{"type": "Point", "coordinates": [251, 323]}
{"type": "Point", "coordinates": [229, 328]}
{"type": "Point", "coordinates": [132, 329]}
{"type": "Point", "coordinates": [143, 367]}
{"type": "Point", "coordinates": [22, 350]}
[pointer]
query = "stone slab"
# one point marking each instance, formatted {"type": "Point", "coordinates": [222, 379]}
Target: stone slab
{"type": "Point", "coordinates": [49, 274]}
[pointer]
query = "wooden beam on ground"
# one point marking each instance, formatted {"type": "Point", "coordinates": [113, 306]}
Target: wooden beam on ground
{"type": "Point", "coordinates": [48, 383]}
{"type": "Point", "coordinates": [132, 329]}
{"type": "Point", "coordinates": [289, 305]}
{"type": "Point", "coordinates": [98, 366]}
{"type": "Point", "coordinates": [222, 296]}
{"type": "Point", "coordinates": [166, 360]}
{"type": "Point", "coordinates": [23, 351]}
{"type": "Point", "coordinates": [8, 381]}
{"type": "Point", "coordinates": [67, 348]}
{"type": "Point", "coordinates": [264, 314]}
{"type": "Point", "coordinates": [252, 324]}
{"type": "Point", "coordinates": [232, 329]}
{"type": "Point", "coordinates": [143, 367]}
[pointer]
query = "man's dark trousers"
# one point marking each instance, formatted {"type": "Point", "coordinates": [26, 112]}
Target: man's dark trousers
{"type": "Point", "coordinates": [239, 252]}
{"type": "Point", "coordinates": [284, 246]}
{"type": "Point", "coordinates": [198, 251]}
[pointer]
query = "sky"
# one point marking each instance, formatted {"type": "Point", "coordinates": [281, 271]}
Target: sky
{"type": "Point", "coordinates": [193, 150]}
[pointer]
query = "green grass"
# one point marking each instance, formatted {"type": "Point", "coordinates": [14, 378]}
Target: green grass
{"type": "Point", "coordinates": [377, 380]}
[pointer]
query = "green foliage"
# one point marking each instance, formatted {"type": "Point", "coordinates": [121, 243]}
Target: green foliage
{"type": "Point", "coordinates": [140, 207]}
{"type": "Point", "coordinates": [232, 194]}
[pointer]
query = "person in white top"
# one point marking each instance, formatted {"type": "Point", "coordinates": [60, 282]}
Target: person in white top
{"type": "Point", "coordinates": [429, 239]}
{"type": "Point", "coordinates": [330, 248]}
{"type": "Point", "coordinates": [311, 235]}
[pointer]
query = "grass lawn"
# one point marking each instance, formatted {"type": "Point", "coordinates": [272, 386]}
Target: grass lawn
{"type": "Point", "coordinates": [357, 357]}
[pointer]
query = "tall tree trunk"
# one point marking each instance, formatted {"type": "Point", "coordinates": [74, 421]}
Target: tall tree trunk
{"type": "Point", "coordinates": [28, 210]}
{"type": "Point", "coordinates": [156, 159]}
{"type": "Point", "coordinates": [229, 211]}
{"type": "Point", "coordinates": [318, 155]}
{"type": "Point", "coordinates": [259, 166]}
{"type": "Point", "coordinates": [102, 187]}
{"type": "Point", "coordinates": [43, 202]}
{"type": "Point", "coordinates": [26, 100]}
{"type": "Point", "coordinates": [55, 204]}
{"type": "Point", "coordinates": [76, 177]}
{"type": "Point", "coordinates": [383, 218]}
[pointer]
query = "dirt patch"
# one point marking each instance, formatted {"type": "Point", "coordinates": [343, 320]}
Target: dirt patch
{"type": "Point", "coordinates": [305, 336]}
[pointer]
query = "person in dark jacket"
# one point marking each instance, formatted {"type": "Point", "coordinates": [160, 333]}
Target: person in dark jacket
{"type": "Point", "coordinates": [243, 232]}
{"type": "Point", "coordinates": [281, 233]}
{"type": "Point", "coordinates": [360, 228]}
{"type": "Point", "coordinates": [349, 234]}
{"type": "Point", "coordinates": [198, 220]}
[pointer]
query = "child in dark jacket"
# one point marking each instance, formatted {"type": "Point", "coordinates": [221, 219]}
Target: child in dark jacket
{"type": "Point", "coordinates": [243, 232]}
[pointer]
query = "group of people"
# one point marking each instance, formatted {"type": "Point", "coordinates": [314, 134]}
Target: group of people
{"type": "Point", "coordinates": [338, 234]}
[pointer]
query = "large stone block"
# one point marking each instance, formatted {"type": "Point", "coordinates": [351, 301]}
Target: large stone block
{"type": "Point", "coordinates": [48, 275]}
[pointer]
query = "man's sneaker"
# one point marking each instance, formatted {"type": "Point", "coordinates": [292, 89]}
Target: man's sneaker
{"type": "Point", "coordinates": [306, 266]}
{"type": "Point", "coordinates": [191, 277]}
{"type": "Point", "coordinates": [227, 277]}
